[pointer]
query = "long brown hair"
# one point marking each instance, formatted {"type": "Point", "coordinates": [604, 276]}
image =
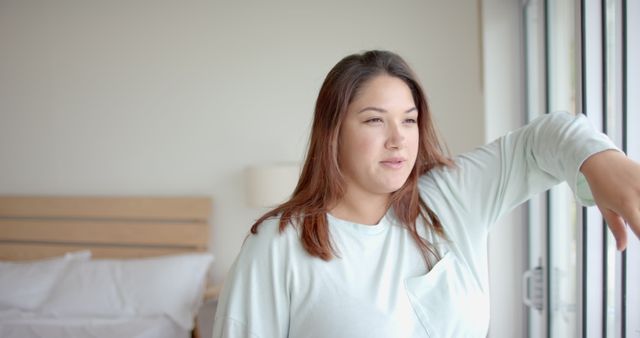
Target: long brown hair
{"type": "Point", "coordinates": [321, 184]}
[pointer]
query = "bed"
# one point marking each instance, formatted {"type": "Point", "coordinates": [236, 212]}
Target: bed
{"type": "Point", "coordinates": [103, 266]}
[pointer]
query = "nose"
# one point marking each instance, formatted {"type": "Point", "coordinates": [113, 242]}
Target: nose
{"type": "Point", "coordinates": [395, 137]}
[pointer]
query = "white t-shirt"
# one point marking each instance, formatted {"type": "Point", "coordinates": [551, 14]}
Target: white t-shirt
{"type": "Point", "coordinates": [380, 286]}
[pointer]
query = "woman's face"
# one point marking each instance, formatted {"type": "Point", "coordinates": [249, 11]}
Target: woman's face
{"type": "Point", "coordinates": [378, 140]}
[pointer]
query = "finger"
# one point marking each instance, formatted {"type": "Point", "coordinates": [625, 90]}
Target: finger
{"type": "Point", "coordinates": [617, 227]}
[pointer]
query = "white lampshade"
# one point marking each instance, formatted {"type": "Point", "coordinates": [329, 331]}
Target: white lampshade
{"type": "Point", "coordinates": [270, 185]}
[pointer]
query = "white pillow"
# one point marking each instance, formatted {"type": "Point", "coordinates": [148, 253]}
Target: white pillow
{"type": "Point", "coordinates": [89, 288]}
{"type": "Point", "coordinates": [26, 285]}
{"type": "Point", "coordinates": [166, 285]}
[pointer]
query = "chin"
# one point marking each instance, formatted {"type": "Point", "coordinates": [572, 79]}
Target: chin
{"type": "Point", "coordinates": [390, 185]}
{"type": "Point", "coordinates": [395, 187]}
{"type": "Point", "coordinates": [398, 188]}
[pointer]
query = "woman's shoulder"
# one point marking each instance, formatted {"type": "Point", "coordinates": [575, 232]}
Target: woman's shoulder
{"type": "Point", "coordinates": [269, 236]}
{"type": "Point", "coordinates": [441, 174]}
{"type": "Point", "coordinates": [456, 182]}
{"type": "Point", "coordinates": [467, 163]}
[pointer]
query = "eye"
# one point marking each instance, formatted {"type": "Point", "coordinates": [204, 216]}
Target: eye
{"type": "Point", "coordinates": [411, 121]}
{"type": "Point", "coordinates": [373, 120]}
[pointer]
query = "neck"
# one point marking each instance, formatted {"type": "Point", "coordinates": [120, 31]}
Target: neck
{"type": "Point", "coordinates": [361, 208]}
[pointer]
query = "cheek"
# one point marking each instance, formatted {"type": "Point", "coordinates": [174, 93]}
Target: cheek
{"type": "Point", "coordinates": [357, 153]}
{"type": "Point", "coordinates": [367, 151]}
{"type": "Point", "coordinates": [361, 145]}
{"type": "Point", "coordinates": [413, 144]}
{"type": "Point", "coordinates": [365, 145]}
{"type": "Point", "coordinates": [415, 141]}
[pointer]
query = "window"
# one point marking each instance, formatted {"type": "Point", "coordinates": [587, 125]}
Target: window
{"type": "Point", "coordinates": [583, 57]}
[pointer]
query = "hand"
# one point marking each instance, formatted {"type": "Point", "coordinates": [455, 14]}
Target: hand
{"type": "Point", "coordinates": [614, 180]}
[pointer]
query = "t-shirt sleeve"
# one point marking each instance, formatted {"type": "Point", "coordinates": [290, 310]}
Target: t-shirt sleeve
{"type": "Point", "coordinates": [491, 180]}
{"type": "Point", "coordinates": [254, 300]}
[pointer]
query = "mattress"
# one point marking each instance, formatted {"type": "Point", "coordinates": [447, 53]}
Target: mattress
{"type": "Point", "coordinates": [20, 325]}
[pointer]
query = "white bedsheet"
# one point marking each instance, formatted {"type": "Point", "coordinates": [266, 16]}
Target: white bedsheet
{"type": "Point", "coordinates": [25, 325]}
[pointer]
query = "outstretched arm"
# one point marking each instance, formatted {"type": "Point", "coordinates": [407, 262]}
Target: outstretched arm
{"type": "Point", "coordinates": [614, 181]}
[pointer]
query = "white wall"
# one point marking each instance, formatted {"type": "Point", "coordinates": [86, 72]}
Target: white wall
{"type": "Point", "coordinates": [178, 97]}
{"type": "Point", "coordinates": [504, 107]}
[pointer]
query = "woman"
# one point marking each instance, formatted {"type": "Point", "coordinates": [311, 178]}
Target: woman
{"type": "Point", "coordinates": [386, 237]}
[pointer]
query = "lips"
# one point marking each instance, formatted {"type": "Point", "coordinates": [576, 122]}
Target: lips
{"type": "Point", "coordinates": [393, 162]}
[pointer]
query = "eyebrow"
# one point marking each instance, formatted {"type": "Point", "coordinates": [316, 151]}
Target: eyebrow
{"type": "Point", "coordinates": [380, 110]}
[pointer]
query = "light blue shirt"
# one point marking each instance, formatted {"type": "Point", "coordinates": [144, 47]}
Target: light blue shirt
{"type": "Point", "coordinates": [380, 286]}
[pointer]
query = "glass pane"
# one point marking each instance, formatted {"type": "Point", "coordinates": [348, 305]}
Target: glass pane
{"type": "Point", "coordinates": [563, 217]}
{"type": "Point", "coordinates": [594, 237]}
{"type": "Point", "coordinates": [633, 151]}
{"type": "Point", "coordinates": [534, 44]}
{"type": "Point", "coordinates": [611, 286]}
{"type": "Point", "coordinates": [563, 250]}
{"type": "Point", "coordinates": [613, 73]}
{"type": "Point", "coordinates": [535, 57]}
{"type": "Point", "coordinates": [613, 128]}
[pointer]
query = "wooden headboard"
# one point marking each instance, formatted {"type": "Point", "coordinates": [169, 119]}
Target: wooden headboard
{"type": "Point", "coordinates": [33, 227]}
